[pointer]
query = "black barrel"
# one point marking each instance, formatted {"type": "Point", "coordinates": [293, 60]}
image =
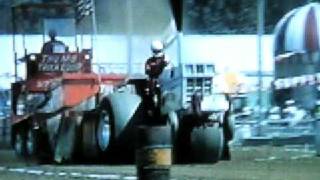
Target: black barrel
{"type": "Point", "coordinates": [153, 152]}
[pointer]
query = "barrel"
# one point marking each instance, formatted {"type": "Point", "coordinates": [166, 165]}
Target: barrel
{"type": "Point", "coordinates": [153, 152]}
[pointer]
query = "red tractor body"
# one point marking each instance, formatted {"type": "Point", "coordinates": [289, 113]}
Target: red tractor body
{"type": "Point", "coordinates": [58, 87]}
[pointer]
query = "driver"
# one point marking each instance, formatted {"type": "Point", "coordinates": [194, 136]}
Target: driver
{"type": "Point", "coordinates": [53, 46]}
{"type": "Point", "coordinates": [156, 64]}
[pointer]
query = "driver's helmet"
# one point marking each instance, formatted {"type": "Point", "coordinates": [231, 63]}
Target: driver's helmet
{"type": "Point", "coordinates": [157, 47]}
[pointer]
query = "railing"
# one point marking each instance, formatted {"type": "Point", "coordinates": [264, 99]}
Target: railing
{"type": "Point", "coordinates": [116, 68]}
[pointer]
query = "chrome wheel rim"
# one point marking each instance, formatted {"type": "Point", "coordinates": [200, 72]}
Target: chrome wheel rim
{"type": "Point", "coordinates": [103, 132]}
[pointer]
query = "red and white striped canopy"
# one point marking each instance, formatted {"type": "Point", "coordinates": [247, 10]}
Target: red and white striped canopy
{"type": "Point", "coordinates": [299, 30]}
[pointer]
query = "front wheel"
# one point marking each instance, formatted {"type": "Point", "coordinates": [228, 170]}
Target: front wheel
{"type": "Point", "coordinates": [207, 144]}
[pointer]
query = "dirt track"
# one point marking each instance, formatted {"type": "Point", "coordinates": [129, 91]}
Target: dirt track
{"type": "Point", "coordinates": [270, 163]}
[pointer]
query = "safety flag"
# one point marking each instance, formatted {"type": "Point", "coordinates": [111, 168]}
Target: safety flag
{"type": "Point", "coordinates": [83, 8]}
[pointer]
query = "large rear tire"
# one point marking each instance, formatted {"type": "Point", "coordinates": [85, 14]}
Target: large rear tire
{"type": "Point", "coordinates": [90, 149]}
{"type": "Point", "coordinates": [37, 146]}
{"type": "Point", "coordinates": [31, 145]}
{"type": "Point", "coordinates": [96, 133]}
{"type": "Point", "coordinates": [207, 144]}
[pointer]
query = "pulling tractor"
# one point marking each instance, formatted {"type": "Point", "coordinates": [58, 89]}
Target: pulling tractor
{"type": "Point", "coordinates": [186, 103]}
{"type": "Point", "coordinates": [58, 109]}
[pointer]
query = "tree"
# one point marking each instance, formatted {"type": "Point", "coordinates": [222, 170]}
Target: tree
{"type": "Point", "coordinates": [233, 16]}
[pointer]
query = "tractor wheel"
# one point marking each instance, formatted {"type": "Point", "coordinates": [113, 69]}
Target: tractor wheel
{"type": "Point", "coordinates": [20, 142]}
{"type": "Point", "coordinates": [66, 141]}
{"type": "Point", "coordinates": [90, 148]}
{"type": "Point", "coordinates": [37, 146]}
{"type": "Point", "coordinates": [207, 144]}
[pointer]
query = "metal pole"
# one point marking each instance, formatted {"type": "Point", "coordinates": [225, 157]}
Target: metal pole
{"type": "Point", "coordinates": [260, 28]}
{"type": "Point", "coordinates": [4, 127]}
{"type": "Point", "coordinates": [43, 37]}
{"type": "Point", "coordinates": [129, 35]}
{"type": "Point", "coordinates": [14, 43]}
{"type": "Point", "coordinates": [76, 38]}
{"type": "Point", "coordinates": [94, 26]}
{"type": "Point", "coordinates": [24, 40]}
{"type": "Point", "coordinates": [179, 48]}
{"type": "Point", "coordinates": [24, 43]}
{"type": "Point", "coordinates": [81, 39]}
